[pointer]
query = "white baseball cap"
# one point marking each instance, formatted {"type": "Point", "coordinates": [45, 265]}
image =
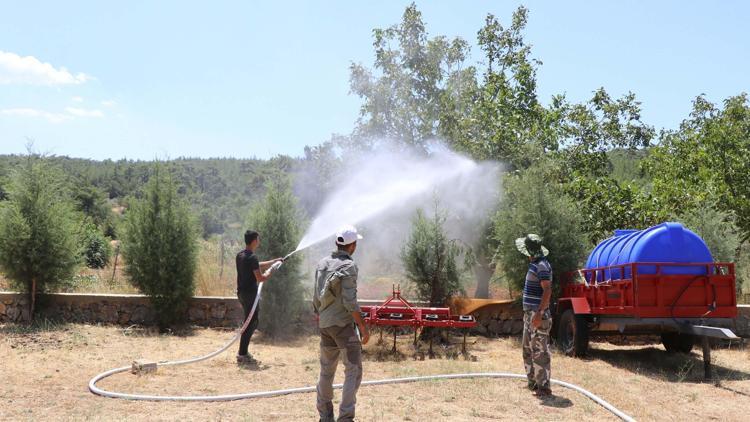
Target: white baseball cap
{"type": "Point", "coordinates": [347, 235]}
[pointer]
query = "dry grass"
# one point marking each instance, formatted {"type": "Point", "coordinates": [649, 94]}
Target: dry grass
{"type": "Point", "coordinates": [46, 370]}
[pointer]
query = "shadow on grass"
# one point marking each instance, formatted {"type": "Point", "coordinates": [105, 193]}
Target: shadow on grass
{"type": "Point", "coordinates": [673, 367]}
{"type": "Point", "coordinates": [151, 331]}
{"type": "Point", "coordinates": [38, 326]}
{"type": "Point", "coordinates": [556, 401]}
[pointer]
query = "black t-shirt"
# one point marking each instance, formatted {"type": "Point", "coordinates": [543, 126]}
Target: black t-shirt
{"type": "Point", "coordinates": [247, 263]}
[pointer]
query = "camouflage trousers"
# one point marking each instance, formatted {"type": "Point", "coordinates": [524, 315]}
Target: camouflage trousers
{"type": "Point", "coordinates": [536, 354]}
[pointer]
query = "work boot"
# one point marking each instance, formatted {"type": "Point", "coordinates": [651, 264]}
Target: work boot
{"type": "Point", "coordinates": [247, 359]}
{"type": "Point", "coordinates": [543, 393]}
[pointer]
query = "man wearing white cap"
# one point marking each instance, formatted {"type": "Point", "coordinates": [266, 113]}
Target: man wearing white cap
{"type": "Point", "coordinates": [335, 302]}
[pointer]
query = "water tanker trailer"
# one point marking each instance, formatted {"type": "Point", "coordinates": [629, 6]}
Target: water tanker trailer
{"type": "Point", "coordinates": [662, 280]}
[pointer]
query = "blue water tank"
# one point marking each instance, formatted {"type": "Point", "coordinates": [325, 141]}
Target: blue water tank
{"type": "Point", "coordinates": [667, 242]}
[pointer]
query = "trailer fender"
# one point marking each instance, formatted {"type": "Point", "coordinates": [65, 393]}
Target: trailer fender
{"type": "Point", "coordinates": [579, 305]}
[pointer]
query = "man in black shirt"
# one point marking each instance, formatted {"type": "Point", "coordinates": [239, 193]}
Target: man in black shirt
{"type": "Point", "coordinates": [250, 272]}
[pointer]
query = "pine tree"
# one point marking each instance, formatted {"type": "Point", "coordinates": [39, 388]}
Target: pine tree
{"type": "Point", "coordinates": [159, 247]}
{"type": "Point", "coordinates": [277, 219]}
{"type": "Point", "coordinates": [37, 229]}
{"type": "Point", "coordinates": [429, 258]}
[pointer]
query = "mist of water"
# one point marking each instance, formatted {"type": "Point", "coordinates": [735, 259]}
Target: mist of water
{"type": "Point", "coordinates": [385, 182]}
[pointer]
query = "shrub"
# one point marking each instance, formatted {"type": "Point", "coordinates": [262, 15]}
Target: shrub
{"type": "Point", "coordinates": [159, 248]}
{"type": "Point", "coordinates": [277, 218]}
{"type": "Point", "coordinates": [96, 248]}
{"type": "Point", "coordinates": [37, 229]}
{"type": "Point", "coordinates": [429, 258]}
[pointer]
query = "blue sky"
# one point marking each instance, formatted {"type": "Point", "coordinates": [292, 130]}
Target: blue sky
{"type": "Point", "coordinates": [144, 79]}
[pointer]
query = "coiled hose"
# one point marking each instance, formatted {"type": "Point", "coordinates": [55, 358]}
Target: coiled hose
{"type": "Point", "coordinates": [273, 393]}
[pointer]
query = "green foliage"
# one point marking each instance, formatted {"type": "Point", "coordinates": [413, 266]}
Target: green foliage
{"type": "Point", "coordinates": [706, 160]}
{"type": "Point", "coordinates": [37, 229]}
{"type": "Point", "coordinates": [92, 202]}
{"type": "Point", "coordinates": [96, 248]}
{"type": "Point", "coordinates": [505, 121]}
{"type": "Point", "coordinates": [429, 258]}
{"type": "Point", "coordinates": [277, 219]}
{"type": "Point", "coordinates": [534, 204]}
{"type": "Point", "coordinates": [607, 205]}
{"type": "Point", "coordinates": [589, 130]}
{"type": "Point", "coordinates": [159, 248]}
{"type": "Point", "coordinates": [720, 233]}
{"type": "Point", "coordinates": [405, 99]}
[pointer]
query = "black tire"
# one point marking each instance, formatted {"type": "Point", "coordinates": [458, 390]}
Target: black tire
{"type": "Point", "coordinates": [573, 334]}
{"type": "Point", "coordinates": [677, 342]}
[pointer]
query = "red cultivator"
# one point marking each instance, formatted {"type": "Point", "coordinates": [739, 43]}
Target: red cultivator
{"type": "Point", "coordinates": [398, 312]}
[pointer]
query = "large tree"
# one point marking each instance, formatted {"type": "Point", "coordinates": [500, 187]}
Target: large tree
{"type": "Point", "coordinates": [414, 78]}
{"type": "Point", "coordinates": [37, 229]}
{"type": "Point", "coordinates": [706, 161]}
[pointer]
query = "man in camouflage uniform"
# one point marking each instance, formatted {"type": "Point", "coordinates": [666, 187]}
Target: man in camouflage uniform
{"type": "Point", "coordinates": [537, 321]}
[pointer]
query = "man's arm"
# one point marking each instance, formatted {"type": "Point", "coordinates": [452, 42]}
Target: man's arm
{"type": "Point", "coordinates": [545, 279]}
{"type": "Point", "coordinates": [546, 296]}
{"type": "Point", "coordinates": [264, 265]}
{"type": "Point", "coordinates": [349, 300]}
{"type": "Point", "coordinates": [363, 332]}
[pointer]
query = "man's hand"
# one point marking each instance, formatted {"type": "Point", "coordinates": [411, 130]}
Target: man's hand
{"type": "Point", "coordinates": [536, 319]}
{"type": "Point", "coordinates": [364, 333]}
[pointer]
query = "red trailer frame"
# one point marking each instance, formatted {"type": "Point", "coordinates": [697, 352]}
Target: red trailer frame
{"type": "Point", "coordinates": [648, 290]}
{"type": "Point", "coordinates": [680, 301]}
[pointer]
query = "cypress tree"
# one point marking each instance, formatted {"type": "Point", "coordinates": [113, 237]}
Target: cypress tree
{"type": "Point", "coordinates": [277, 219]}
{"type": "Point", "coordinates": [37, 229]}
{"type": "Point", "coordinates": [159, 247]}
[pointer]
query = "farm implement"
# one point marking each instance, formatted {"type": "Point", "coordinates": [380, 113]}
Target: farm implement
{"type": "Point", "coordinates": [397, 311]}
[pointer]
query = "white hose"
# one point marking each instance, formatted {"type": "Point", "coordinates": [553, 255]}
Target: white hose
{"type": "Point", "coordinates": [260, 394]}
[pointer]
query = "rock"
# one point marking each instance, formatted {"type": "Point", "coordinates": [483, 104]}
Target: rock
{"type": "Point", "coordinates": [25, 316]}
{"type": "Point", "coordinates": [507, 326]}
{"type": "Point", "coordinates": [234, 313]}
{"type": "Point", "coordinates": [495, 326]}
{"type": "Point", "coordinates": [13, 313]}
{"type": "Point", "coordinates": [139, 314]}
{"type": "Point", "coordinates": [196, 314]}
{"type": "Point", "coordinates": [219, 311]}
{"type": "Point", "coordinates": [479, 329]}
{"type": "Point", "coordinates": [517, 326]}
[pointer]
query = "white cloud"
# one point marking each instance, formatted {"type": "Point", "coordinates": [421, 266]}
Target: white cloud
{"type": "Point", "coordinates": [77, 99]}
{"type": "Point", "coordinates": [15, 69]}
{"type": "Point", "coordinates": [82, 112]}
{"type": "Point", "coordinates": [109, 103]}
{"type": "Point", "coordinates": [32, 112]}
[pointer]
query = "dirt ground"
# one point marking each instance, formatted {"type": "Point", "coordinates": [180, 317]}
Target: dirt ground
{"type": "Point", "coordinates": [45, 372]}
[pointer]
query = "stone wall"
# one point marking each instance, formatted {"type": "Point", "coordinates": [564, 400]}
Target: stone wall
{"type": "Point", "coordinates": [496, 319]}
{"type": "Point", "coordinates": [117, 309]}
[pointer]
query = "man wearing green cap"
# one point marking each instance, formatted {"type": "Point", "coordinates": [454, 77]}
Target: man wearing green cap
{"type": "Point", "coordinates": [537, 321]}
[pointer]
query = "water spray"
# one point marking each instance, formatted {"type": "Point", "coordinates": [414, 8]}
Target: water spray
{"type": "Point", "coordinates": [381, 182]}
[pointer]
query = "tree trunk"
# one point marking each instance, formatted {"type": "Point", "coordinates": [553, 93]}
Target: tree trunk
{"type": "Point", "coordinates": [32, 302]}
{"type": "Point", "coordinates": [483, 273]}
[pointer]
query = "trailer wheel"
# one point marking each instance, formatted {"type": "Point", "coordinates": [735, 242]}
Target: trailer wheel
{"type": "Point", "coordinates": [677, 342]}
{"type": "Point", "coordinates": [573, 334]}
